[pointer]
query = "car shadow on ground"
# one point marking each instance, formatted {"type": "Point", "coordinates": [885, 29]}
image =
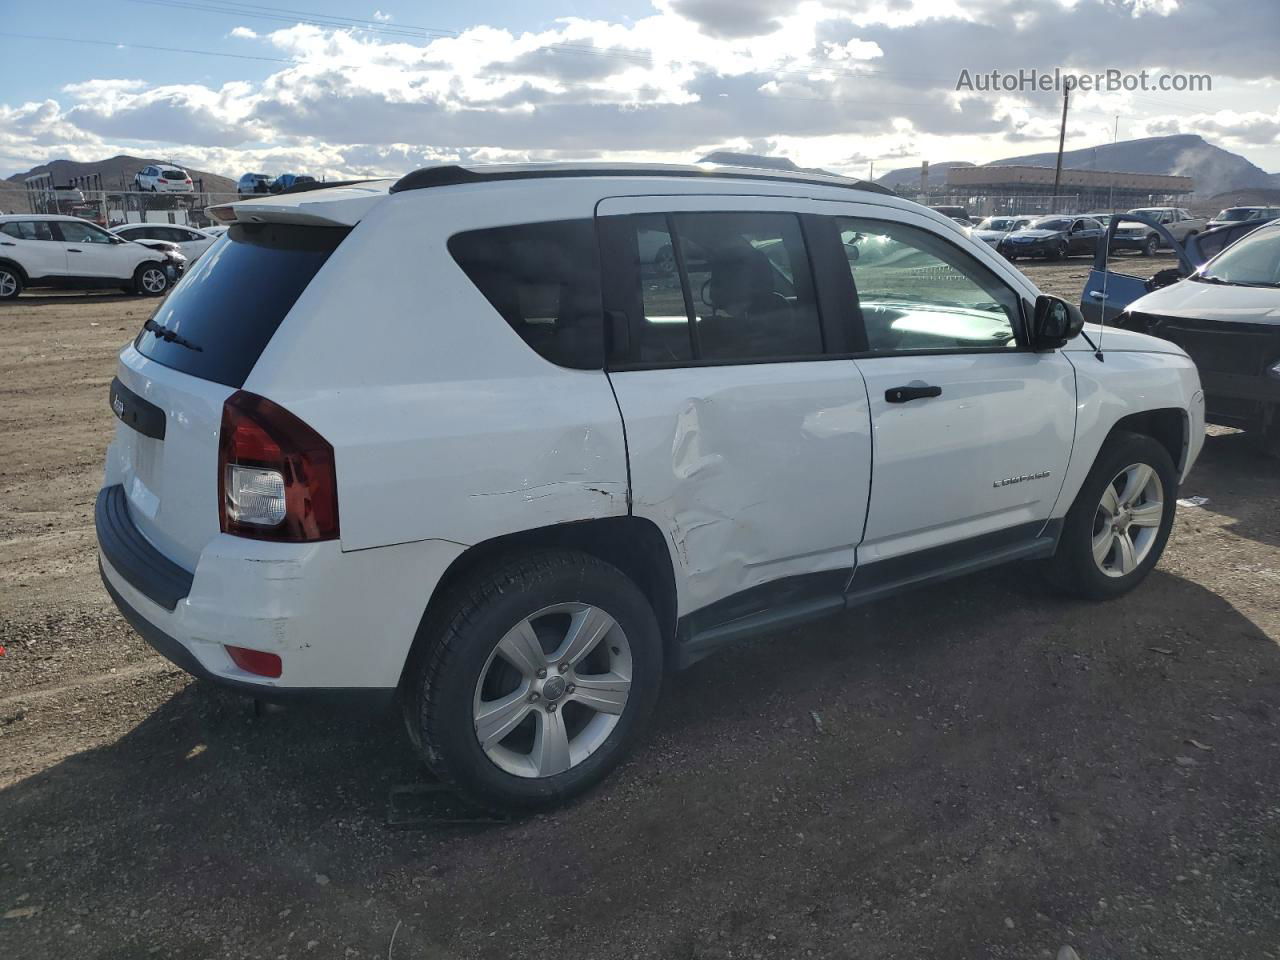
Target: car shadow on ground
{"type": "Point", "coordinates": [978, 768]}
{"type": "Point", "coordinates": [1241, 483]}
{"type": "Point", "coordinates": [60, 299]}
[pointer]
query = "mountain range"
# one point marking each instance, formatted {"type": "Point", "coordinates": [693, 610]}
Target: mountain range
{"type": "Point", "coordinates": [117, 173]}
{"type": "Point", "coordinates": [1214, 170]}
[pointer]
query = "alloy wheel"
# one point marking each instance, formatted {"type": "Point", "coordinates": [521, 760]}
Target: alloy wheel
{"type": "Point", "coordinates": [552, 690]}
{"type": "Point", "coordinates": [154, 280]}
{"type": "Point", "coordinates": [8, 284]}
{"type": "Point", "coordinates": [1127, 521]}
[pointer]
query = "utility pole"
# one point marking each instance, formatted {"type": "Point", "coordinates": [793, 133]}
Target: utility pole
{"type": "Point", "coordinates": [1062, 139]}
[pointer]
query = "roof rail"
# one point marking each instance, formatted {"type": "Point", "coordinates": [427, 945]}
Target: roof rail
{"type": "Point", "coordinates": [450, 175]}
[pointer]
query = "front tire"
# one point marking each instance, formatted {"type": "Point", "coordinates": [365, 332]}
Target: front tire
{"type": "Point", "coordinates": [150, 280]}
{"type": "Point", "coordinates": [1149, 246]}
{"type": "Point", "coordinates": [10, 283]}
{"type": "Point", "coordinates": [1120, 521]}
{"type": "Point", "coordinates": [536, 682]}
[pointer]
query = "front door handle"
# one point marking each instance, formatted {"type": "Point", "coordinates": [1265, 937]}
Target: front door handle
{"type": "Point", "coordinates": [73, 250]}
{"type": "Point", "coordinates": [1097, 295]}
{"type": "Point", "coordinates": [912, 391]}
{"type": "Point", "coordinates": [7, 243]}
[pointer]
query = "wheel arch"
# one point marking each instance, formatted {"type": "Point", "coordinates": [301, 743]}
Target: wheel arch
{"type": "Point", "coordinates": [1168, 426]}
{"type": "Point", "coordinates": [633, 544]}
{"type": "Point", "coordinates": [17, 267]}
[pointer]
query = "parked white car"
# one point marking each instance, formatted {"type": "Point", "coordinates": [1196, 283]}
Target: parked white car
{"type": "Point", "coordinates": [190, 241]}
{"type": "Point", "coordinates": [518, 478]}
{"type": "Point", "coordinates": [162, 178]}
{"type": "Point", "coordinates": [994, 229]}
{"type": "Point", "coordinates": [53, 251]}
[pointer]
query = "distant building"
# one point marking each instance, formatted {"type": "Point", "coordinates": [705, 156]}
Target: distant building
{"type": "Point", "coordinates": [1089, 189]}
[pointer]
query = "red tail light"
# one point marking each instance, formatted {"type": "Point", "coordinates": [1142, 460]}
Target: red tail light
{"type": "Point", "coordinates": [276, 478]}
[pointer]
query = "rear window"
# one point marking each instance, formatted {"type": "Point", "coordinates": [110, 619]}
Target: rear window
{"type": "Point", "coordinates": [172, 174]}
{"type": "Point", "coordinates": [231, 302]}
{"type": "Point", "coordinates": [544, 278]}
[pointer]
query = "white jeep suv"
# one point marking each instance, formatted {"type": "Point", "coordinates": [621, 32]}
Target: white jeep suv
{"type": "Point", "coordinates": [53, 251]}
{"type": "Point", "coordinates": [529, 469]}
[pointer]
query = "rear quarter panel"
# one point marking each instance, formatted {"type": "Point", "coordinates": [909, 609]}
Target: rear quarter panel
{"type": "Point", "coordinates": [444, 423]}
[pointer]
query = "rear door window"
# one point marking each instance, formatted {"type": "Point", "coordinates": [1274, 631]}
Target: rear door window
{"type": "Point", "coordinates": [715, 287]}
{"type": "Point", "coordinates": [233, 299]}
{"type": "Point", "coordinates": [28, 230]}
{"type": "Point", "coordinates": [544, 279]}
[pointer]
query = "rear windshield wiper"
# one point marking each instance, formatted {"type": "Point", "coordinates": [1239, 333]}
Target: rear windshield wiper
{"type": "Point", "coordinates": [170, 336]}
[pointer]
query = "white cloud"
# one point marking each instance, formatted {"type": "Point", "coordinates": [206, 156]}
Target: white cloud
{"type": "Point", "coordinates": [381, 17]}
{"type": "Point", "coordinates": [836, 83]}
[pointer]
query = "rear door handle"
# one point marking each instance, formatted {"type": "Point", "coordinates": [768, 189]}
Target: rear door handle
{"type": "Point", "coordinates": [912, 391]}
{"type": "Point", "coordinates": [7, 243]}
{"type": "Point", "coordinates": [73, 250]}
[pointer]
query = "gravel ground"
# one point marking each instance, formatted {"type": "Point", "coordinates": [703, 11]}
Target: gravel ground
{"type": "Point", "coordinates": [979, 769]}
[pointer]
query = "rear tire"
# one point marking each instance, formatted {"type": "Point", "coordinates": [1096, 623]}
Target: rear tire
{"type": "Point", "coordinates": [1118, 526]}
{"type": "Point", "coordinates": [505, 655]}
{"type": "Point", "coordinates": [1266, 438]}
{"type": "Point", "coordinates": [10, 283]}
{"type": "Point", "coordinates": [150, 280]}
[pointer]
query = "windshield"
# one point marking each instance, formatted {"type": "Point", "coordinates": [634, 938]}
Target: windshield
{"type": "Point", "coordinates": [1051, 223]}
{"type": "Point", "coordinates": [1253, 261]}
{"type": "Point", "coordinates": [1235, 213]}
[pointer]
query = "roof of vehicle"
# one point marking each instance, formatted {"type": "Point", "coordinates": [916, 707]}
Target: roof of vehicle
{"type": "Point", "coordinates": [346, 203]}
{"type": "Point", "coordinates": [449, 175]}
{"type": "Point", "coordinates": [42, 216]}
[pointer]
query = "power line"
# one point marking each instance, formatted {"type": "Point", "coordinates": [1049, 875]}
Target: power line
{"type": "Point", "coordinates": [120, 44]}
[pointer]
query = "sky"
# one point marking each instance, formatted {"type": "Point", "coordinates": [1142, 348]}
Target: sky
{"type": "Point", "coordinates": [338, 89]}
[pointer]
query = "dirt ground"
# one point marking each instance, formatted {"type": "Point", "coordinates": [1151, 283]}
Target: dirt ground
{"type": "Point", "coordinates": [977, 770]}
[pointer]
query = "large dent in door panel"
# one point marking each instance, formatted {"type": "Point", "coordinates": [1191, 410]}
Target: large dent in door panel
{"type": "Point", "coordinates": [751, 481]}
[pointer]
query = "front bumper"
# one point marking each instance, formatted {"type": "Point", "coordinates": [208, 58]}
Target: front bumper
{"type": "Point", "coordinates": [341, 622]}
{"type": "Point", "coordinates": [1130, 243]}
{"type": "Point", "coordinates": [1037, 248]}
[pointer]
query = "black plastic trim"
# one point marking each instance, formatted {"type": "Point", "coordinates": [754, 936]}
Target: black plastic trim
{"type": "Point", "coordinates": [370, 698]}
{"type": "Point", "coordinates": [133, 411]}
{"type": "Point", "coordinates": [453, 175]}
{"type": "Point", "coordinates": [145, 568]}
{"type": "Point", "coordinates": [1025, 541]}
{"type": "Point", "coordinates": [795, 600]}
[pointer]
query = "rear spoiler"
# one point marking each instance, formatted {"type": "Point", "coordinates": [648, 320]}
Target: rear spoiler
{"type": "Point", "coordinates": [326, 205]}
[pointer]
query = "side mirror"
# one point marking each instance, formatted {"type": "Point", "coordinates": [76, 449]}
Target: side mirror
{"type": "Point", "coordinates": [1164, 278]}
{"type": "Point", "coordinates": [1054, 322]}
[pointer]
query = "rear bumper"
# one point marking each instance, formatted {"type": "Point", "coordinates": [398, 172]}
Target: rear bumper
{"type": "Point", "coordinates": [173, 650]}
{"type": "Point", "coordinates": [342, 623]}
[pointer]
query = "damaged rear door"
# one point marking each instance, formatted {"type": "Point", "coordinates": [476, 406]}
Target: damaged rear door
{"type": "Point", "coordinates": [748, 436]}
